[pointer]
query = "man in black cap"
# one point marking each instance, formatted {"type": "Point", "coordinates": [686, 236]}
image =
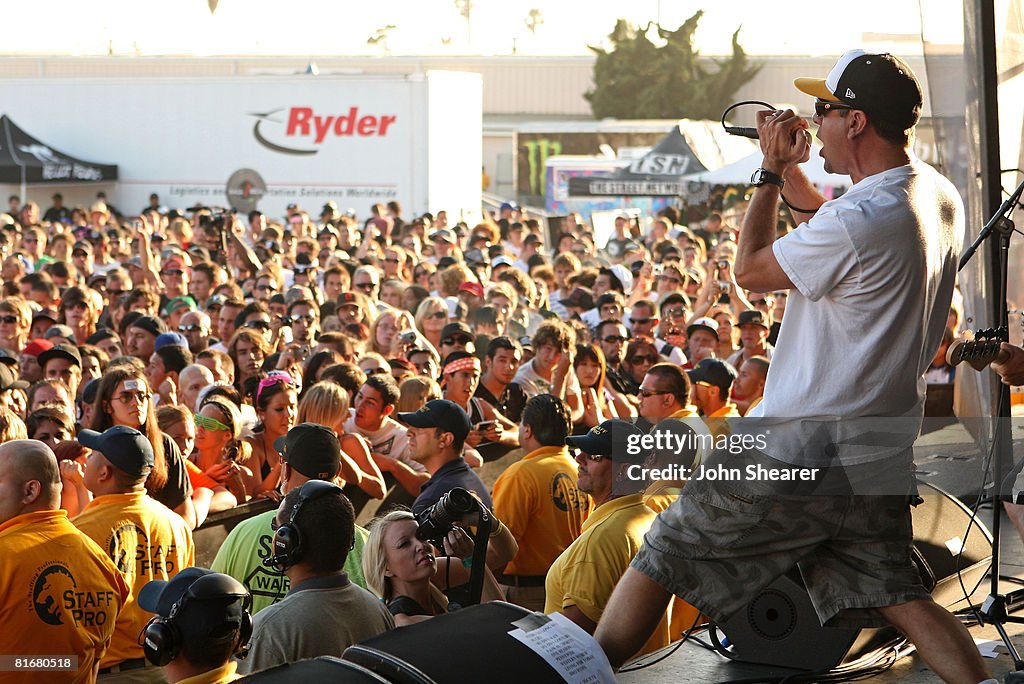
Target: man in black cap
{"type": "Point", "coordinates": [305, 273]}
{"type": "Point", "coordinates": [145, 539]}
{"type": "Point", "coordinates": [437, 434]}
{"type": "Point", "coordinates": [580, 581]}
{"type": "Point", "coordinates": [63, 362]}
{"type": "Point", "coordinates": [712, 381]}
{"type": "Point", "coordinates": [457, 336]}
{"type": "Point", "coordinates": [878, 263]}
{"type": "Point", "coordinates": [532, 244]}
{"type": "Point", "coordinates": [324, 612]}
{"type": "Point", "coordinates": [309, 452]}
{"type": "Point", "coordinates": [82, 257]}
{"type": "Point", "coordinates": [42, 321]}
{"type": "Point", "coordinates": [140, 338]}
{"type": "Point", "coordinates": [202, 621]}
{"type": "Point", "coordinates": [754, 328]}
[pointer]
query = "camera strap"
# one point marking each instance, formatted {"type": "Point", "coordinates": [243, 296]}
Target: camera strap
{"type": "Point", "coordinates": [480, 541]}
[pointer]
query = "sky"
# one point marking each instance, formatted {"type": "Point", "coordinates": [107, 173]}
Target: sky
{"type": "Point", "coordinates": [340, 27]}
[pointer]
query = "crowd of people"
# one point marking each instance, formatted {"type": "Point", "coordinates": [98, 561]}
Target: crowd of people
{"type": "Point", "coordinates": [391, 356]}
{"type": "Point", "coordinates": [161, 367]}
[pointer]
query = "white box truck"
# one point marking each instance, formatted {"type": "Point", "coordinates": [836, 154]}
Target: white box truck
{"type": "Point", "coordinates": [264, 141]}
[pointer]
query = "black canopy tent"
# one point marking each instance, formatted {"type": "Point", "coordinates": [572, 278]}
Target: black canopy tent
{"type": "Point", "coordinates": [657, 174]}
{"type": "Point", "coordinates": [25, 160]}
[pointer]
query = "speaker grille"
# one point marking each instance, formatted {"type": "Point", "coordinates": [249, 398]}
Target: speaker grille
{"type": "Point", "coordinates": [772, 615]}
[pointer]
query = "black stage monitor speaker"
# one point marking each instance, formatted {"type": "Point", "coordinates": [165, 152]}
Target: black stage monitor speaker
{"type": "Point", "coordinates": [779, 626]}
{"type": "Point", "coordinates": [323, 669]}
{"type": "Point", "coordinates": [470, 645]}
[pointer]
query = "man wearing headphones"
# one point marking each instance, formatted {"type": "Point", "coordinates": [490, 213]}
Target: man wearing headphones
{"type": "Point", "coordinates": [202, 619]}
{"type": "Point", "coordinates": [310, 452]}
{"type": "Point", "coordinates": [323, 613]}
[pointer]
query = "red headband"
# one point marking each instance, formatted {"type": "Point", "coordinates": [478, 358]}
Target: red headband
{"type": "Point", "coordinates": [467, 363]}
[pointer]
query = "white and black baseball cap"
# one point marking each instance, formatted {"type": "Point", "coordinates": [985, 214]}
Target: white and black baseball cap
{"type": "Point", "coordinates": [880, 84]}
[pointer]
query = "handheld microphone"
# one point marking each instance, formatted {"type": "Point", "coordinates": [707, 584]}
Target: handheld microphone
{"type": "Point", "coordinates": [742, 131]}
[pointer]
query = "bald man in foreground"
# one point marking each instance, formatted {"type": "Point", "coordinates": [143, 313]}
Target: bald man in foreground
{"type": "Point", "coordinates": [74, 590]}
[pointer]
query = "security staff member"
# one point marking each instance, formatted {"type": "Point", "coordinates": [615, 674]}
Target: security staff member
{"type": "Point", "coordinates": [59, 593]}
{"type": "Point", "coordinates": [145, 539]}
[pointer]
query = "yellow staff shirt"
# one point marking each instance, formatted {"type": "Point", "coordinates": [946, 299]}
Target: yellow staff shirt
{"type": "Point", "coordinates": [537, 499]}
{"type": "Point", "coordinates": [147, 541]}
{"type": "Point", "coordinates": [59, 596]}
{"type": "Point", "coordinates": [587, 572]}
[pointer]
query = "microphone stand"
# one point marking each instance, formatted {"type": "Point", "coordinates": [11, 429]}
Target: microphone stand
{"type": "Point", "coordinates": [995, 607]}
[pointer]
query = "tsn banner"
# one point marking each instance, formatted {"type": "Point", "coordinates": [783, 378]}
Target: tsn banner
{"type": "Point", "coordinates": [264, 142]}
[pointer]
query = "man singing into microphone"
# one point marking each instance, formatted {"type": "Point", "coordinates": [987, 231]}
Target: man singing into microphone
{"type": "Point", "coordinates": [875, 266]}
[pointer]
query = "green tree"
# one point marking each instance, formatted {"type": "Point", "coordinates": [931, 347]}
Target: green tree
{"type": "Point", "coordinates": [637, 79]}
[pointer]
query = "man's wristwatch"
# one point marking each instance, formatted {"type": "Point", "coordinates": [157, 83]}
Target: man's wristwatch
{"type": "Point", "coordinates": [763, 176]}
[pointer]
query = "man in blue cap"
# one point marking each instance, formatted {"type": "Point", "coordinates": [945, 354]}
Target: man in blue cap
{"type": "Point", "coordinates": [145, 539]}
{"type": "Point", "coordinates": [437, 434]}
{"type": "Point", "coordinates": [202, 620]}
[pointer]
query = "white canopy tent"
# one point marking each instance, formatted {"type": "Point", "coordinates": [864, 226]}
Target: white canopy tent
{"type": "Point", "coordinates": [739, 172]}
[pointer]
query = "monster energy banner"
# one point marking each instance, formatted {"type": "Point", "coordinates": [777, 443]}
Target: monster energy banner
{"type": "Point", "coordinates": [536, 148]}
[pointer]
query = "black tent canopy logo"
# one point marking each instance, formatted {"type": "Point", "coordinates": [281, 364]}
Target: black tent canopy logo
{"type": "Point", "coordinates": [25, 159]}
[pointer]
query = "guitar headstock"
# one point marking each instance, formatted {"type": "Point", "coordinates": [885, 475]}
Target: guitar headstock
{"type": "Point", "coordinates": [979, 352]}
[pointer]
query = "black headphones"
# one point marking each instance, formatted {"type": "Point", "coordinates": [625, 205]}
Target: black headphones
{"type": "Point", "coordinates": [161, 639]}
{"type": "Point", "coordinates": [287, 539]}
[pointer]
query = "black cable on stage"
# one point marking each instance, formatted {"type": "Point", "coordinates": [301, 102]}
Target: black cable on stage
{"type": "Point", "coordinates": [675, 647]}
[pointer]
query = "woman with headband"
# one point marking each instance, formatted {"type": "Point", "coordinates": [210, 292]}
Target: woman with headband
{"type": "Point", "coordinates": [276, 402]}
{"type": "Point", "coordinates": [221, 452]}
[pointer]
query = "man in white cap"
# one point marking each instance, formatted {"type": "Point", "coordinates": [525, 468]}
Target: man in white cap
{"type": "Point", "coordinates": [878, 263]}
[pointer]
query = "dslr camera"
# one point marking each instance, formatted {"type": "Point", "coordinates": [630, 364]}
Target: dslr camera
{"type": "Point", "coordinates": [436, 522]}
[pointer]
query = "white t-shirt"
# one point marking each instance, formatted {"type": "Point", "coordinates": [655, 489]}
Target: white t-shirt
{"type": "Point", "coordinates": [391, 440]}
{"type": "Point", "coordinates": [533, 384]}
{"type": "Point", "coordinates": [873, 275]}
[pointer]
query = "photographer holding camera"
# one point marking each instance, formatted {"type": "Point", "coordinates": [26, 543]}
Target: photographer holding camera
{"type": "Point", "coordinates": [401, 563]}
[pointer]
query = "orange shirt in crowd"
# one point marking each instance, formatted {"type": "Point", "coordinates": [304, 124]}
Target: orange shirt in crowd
{"type": "Point", "coordinates": [59, 596]}
{"type": "Point", "coordinates": [147, 541]}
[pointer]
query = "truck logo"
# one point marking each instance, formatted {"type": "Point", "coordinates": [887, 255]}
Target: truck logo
{"type": "Point", "coordinates": [304, 125]}
{"type": "Point", "coordinates": [245, 189]}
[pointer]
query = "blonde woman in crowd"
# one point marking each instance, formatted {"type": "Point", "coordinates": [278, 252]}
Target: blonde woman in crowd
{"type": "Point", "coordinates": [410, 575]}
{"type": "Point", "coordinates": [326, 403]}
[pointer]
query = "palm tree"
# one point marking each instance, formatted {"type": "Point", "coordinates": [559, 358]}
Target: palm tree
{"type": "Point", "coordinates": [534, 19]}
{"type": "Point", "coordinates": [465, 8]}
{"type": "Point", "coordinates": [380, 37]}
